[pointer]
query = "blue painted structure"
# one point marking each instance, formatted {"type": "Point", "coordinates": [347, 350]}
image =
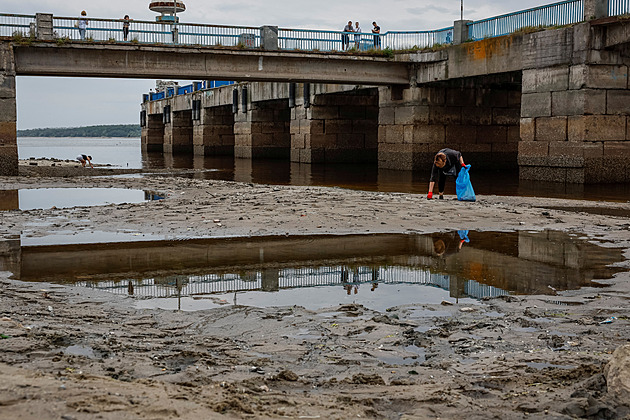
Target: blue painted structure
{"type": "Point", "coordinates": [181, 90]}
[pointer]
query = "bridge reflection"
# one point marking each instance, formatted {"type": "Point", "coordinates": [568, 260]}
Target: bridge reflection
{"type": "Point", "coordinates": [489, 264]}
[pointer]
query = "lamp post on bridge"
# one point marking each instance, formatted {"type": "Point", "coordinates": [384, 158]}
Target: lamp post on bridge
{"type": "Point", "coordinates": [168, 13]}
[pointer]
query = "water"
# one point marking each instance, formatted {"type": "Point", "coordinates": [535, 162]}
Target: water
{"type": "Point", "coordinates": [377, 271]}
{"type": "Point", "coordinates": [126, 153]}
{"type": "Point", "coordinates": [43, 198]}
{"type": "Point", "coordinates": [121, 152]}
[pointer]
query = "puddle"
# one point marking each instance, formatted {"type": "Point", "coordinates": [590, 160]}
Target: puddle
{"type": "Point", "coordinates": [377, 271]}
{"type": "Point", "coordinates": [546, 365]}
{"type": "Point", "coordinates": [45, 198]}
{"type": "Point", "coordinates": [417, 355]}
{"type": "Point", "coordinates": [77, 350]}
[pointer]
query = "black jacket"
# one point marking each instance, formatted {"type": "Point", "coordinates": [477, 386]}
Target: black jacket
{"type": "Point", "coordinates": [452, 166]}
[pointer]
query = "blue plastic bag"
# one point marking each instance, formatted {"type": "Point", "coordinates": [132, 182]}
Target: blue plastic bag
{"type": "Point", "coordinates": [463, 187]}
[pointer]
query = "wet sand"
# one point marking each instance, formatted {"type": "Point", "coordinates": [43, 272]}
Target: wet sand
{"type": "Point", "coordinates": [76, 354]}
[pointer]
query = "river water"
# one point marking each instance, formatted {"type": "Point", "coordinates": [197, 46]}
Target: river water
{"type": "Point", "coordinates": [126, 153]}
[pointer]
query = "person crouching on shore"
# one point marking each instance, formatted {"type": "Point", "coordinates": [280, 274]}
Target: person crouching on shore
{"type": "Point", "coordinates": [447, 162]}
{"type": "Point", "coordinates": [85, 159]}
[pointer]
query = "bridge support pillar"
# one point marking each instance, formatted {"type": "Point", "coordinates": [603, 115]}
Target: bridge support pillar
{"type": "Point", "coordinates": [262, 131]}
{"type": "Point", "coordinates": [8, 112]}
{"type": "Point", "coordinates": [152, 136]}
{"type": "Point", "coordinates": [213, 133]}
{"type": "Point", "coordinates": [336, 127]}
{"type": "Point", "coordinates": [178, 133]}
{"type": "Point", "coordinates": [574, 123]}
{"type": "Point", "coordinates": [482, 123]}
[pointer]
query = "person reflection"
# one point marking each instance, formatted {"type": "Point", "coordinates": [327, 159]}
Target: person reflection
{"type": "Point", "coordinates": [374, 279]}
{"type": "Point", "coordinates": [345, 280]}
{"type": "Point", "coordinates": [450, 243]}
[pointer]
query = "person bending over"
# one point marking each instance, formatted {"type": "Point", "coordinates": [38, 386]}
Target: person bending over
{"type": "Point", "coordinates": [447, 162]}
{"type": "Point", "coordinates": [85, 159]}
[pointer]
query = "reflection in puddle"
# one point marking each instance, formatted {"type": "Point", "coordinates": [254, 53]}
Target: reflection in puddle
{"type": "Point", "coordinates": [88, 237]}
{"type": "Point", "coordinates": [377, 271]}
{"type": "Point", "coordinates": [45, 198]}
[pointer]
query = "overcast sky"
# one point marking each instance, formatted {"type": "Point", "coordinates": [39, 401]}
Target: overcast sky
{"type": "Point", "coordinates": [70, 102]}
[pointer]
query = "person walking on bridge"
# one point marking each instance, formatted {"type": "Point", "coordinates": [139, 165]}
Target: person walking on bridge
{"type": "Point", "coordinates": [82, 24]}
{"type": "Point", "coordinates": [447, 162]}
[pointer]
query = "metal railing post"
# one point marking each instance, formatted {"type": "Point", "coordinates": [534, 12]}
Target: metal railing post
{"type": "Point", "coordinates": [595, 9]}
{"type": "Point", "coordinates": [460, 31]}
{"type": "Point", "coordinates": [44, 23]}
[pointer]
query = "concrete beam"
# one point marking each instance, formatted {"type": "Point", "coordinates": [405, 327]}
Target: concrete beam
{"type": "Point", "coordinates": [153, 62]}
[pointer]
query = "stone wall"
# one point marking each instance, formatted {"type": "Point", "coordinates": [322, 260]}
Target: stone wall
{"type": "Point", "coordinates": [178, 134]}
{"type": "Point", "coordinates": [8, 113]}
{"type": "Point", "coordinates": [213, 133]}
{"type": "Point", "coordinates": [152, 136]}
{"type": "Point", "coordinates": [478, 117]}
{"type": "Point", "coordinates": [575, 116]}
{"type": "Point", "coordinates": [336, 127]}
{"type": "Point", "coordinates": [262, 131]}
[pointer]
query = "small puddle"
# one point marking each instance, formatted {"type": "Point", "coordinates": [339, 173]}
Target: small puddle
{"type": "Point", "coordinates": [546, 365]}
{"type": "Point", "coordinates": [377, 271]}
{"type": "Point", "coordinates": [77, 350]}
{"type": "Point", "coordinates": [45, 198]}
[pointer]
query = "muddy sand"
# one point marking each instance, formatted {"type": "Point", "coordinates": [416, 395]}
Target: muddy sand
{"type": "Point", "coordinates": [74, 353]}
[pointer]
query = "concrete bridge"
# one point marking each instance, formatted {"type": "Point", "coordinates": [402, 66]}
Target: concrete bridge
{"type": "Point", "coordinates": [552, 102]}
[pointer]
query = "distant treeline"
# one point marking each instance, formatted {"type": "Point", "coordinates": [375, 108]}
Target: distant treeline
{"type": "Point", "coordinates": [120, 130]}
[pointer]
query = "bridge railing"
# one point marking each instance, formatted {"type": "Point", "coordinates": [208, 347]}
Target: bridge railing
{"type": "Point", "coordinates": [319, 40]}
{"type": "Point", "coordinates": [156, 32]}
{"type": "Point", "coordinates": [557, 14]}
{"type": "Point", "coordinates": [11, 24]}
{"type": "Point", "coordinates": [618, 7]}
{"type": "Point", "coordinates": [218, 35]}
{"type": "Point", "coordinates": [402, 40]}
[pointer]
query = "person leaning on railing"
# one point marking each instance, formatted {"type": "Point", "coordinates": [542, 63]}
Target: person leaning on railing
{"type": "Point", "coordinates": [345, 38]}
{"type": "Point", "coordinates": [125, 27]}
{"type": "Point", "coordinates": [377, 38]}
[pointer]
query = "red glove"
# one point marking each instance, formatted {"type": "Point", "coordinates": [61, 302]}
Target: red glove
{"type": "Point", "coordinates": [463, 165]}
{"type": "Point", "coordinates": [430, 196]}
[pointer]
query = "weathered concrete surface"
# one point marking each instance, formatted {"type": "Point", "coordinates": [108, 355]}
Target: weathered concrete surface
{"type": "Point", "coordinates": [8, 113]}
{"type": "Point", "coordinates": [154, 62]}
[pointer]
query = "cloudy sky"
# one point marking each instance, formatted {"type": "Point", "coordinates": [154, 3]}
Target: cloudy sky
{"type": "Point", "coordinates": [70, 102]}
